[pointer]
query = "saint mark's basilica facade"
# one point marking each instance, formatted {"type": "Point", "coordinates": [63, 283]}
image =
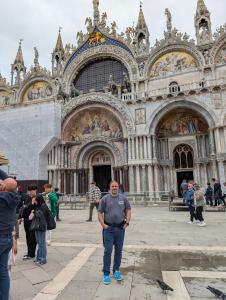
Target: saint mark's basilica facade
{"type": "Point", "coordinates": [116, 107]}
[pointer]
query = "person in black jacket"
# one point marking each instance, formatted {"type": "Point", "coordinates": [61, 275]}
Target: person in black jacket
{"type": "Point", "coordinates": [41, 210]}
{"type": "Point", "coordinates": [28, 206]}
{"type": "Point", "coordinates": [3, 175]}
{"type": "Point", "coordinates": [209, 194]}
{"type": "Point", "coordinates": [8, 203]}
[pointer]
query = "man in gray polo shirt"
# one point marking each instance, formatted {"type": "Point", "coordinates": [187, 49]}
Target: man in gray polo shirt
{"type": "Point", "coordinates": [114, 215]}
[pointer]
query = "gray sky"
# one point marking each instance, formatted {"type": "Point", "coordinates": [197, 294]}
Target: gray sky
{"type": "Point", "coordinates": [37, 22]}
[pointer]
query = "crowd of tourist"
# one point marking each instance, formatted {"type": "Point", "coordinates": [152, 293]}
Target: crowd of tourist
{"type": "Point", "coordinates": [37, 212]}
{"type": "Point", "coordinates": [196, 199]}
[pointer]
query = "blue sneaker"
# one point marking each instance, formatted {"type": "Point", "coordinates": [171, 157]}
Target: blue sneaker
{"type": "Point", "coordinates": [118, 276]}
{"type": "Point", "coordinates": [106, 279]}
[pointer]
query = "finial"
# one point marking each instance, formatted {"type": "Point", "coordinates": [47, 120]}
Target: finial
{"type": "Point", "coordinates": [141, 4]}
{"type": "Point", "coordinates": [20, 42]}
{"type": "Point", "coordinates": [96, 12]}
{"type": "Point", "coordinates": [60, 28]}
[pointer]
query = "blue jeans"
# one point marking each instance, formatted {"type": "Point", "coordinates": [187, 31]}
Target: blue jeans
{"type": "Point", "coordinates": [6, 243]}
{"type": "Point", "coordinates": [42, 249]}
{"type": "Point", "coordinates": [113, 236]}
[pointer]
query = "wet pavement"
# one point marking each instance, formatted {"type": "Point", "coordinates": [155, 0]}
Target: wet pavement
{"type": "Point", "coordinates": [155, 247]}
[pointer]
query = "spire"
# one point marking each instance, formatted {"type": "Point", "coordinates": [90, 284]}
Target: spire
{"type": "Point", "coordinates": [201, 8]}
{"type": "Point", "coordinates": [19, 56]}
{"type": "Point", "coordinates": [141, 24]}
{"type": "Point", "coordinates": [96, 12]}
{"type": "Point", "coordinates": [59, 43]}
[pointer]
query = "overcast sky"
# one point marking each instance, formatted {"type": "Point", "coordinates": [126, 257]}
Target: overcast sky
{"type": "Point", "coordinates": [37, 22]}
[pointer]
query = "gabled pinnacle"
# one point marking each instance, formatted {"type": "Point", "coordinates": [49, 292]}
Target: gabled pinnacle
{"type": "Point", "coordinates": [19, 57]}
{"type": "Point", "coordinates": [201, 8]}
{"type": "Point", "coordinates": [59, 44]}
{"type": "Point", "coordinates": [141, 24]}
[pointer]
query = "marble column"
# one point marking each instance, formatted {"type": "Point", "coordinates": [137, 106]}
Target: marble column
{"type": "Point", "coordinates": [221, 171]}
{"type": "Point", "coordinates": [75, 183]}
{"type": "Point", "coordinates": [150, 180]}
{"type": "Point", "coordinates": [138, 178]}
{"type": "Point", "coordinates": [133, 148]}
{"type": "Point", "coordinates": [145, 147]}
{"type": "Point", "coordinates": [149, 148]}
{"type": "Point", "coordinates": [129, 148]}
{"type": "Point", "coordinates": [131, 179]}
{"type": "Point", "coordinates": [143, 179]}
{"type": "Point", "coordinates": [156, 179]}
{"type": "Point", "coordinates": [141, 147]}
{"type": "Point", "coordinates": [217, 139]}
{"type": "Point", "coordinates": [154, 146]}
{"type": "Point", "coordinates": [137, 148]}
{"type": "Point", "coordinates": [211, 141]}
{"type": "Point", "coordinates": [214, 169]}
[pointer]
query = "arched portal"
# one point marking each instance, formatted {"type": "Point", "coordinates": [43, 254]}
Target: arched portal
{"type": "Point", "coordinates": [183, 148]}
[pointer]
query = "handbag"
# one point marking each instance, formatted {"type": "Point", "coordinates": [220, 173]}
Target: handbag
{"type": "Point", "coordinates": [38, 222]}
{"type": "Point", "coordinates": [51, 223]}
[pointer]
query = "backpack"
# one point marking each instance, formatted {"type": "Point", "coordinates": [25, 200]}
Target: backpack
{"type": "Point", "coordinates": [199, 196]}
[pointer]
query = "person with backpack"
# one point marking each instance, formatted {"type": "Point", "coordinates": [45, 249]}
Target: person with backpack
{"type": "Point", "coordinates": [209, 194]}
{"type": "Point", "coordinates": [51, 201]}
{"type": "Point", "coordinates": [39, 218]}
{"type": "Point", "coordinates": [199, 205]}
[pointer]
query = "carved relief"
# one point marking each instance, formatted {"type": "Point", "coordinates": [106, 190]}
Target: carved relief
{"type": "Point", "coordinates": [92, 123]}
{"type": "Point", "coordinates": [172, 63]}
{"type": "Point", "coordinates": [140, 116]}
{"type": "Point", "coordinates": [37, 91]}
{"type": "Point", "coordinates": [4, 97]}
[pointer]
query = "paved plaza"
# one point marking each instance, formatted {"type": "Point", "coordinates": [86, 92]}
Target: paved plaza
{"type": "Point", "coordinates": [159, 244]}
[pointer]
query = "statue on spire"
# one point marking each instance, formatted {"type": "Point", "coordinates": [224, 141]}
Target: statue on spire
{"type": "Point", "coordinates": [96, 12]}
{"type": "Point", "coordinates": [36, 63]}
{"type": "Point", "coordinates": [169, 20]}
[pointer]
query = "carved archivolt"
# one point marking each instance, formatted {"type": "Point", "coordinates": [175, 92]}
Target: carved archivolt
{"type": "Point", "coordinates": [108, 102]}
{"type": "Point", "coordinates": [92, 144]}
{"type": "Point", "coordinates": [101, 51]}
{"type": "Point", "coordinates": [162, 110]}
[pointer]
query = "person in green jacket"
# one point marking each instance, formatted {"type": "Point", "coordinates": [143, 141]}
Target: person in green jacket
{"type": "Point", "coordinates": [51, 201]}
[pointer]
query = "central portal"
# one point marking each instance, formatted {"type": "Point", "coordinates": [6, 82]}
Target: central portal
{"type": "Point", "coordinates": [102, 177]}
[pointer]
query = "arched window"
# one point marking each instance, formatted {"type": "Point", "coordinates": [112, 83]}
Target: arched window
{"type": "Point", "coordinates": [183, 157]}
{"type": "Point", "coordinates": [96, 74]}
{"type": "Point", "coordinates": [174, 88]}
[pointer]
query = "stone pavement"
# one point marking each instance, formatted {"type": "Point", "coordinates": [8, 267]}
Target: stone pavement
{"type": "Point", "coordinates": [159, 244]}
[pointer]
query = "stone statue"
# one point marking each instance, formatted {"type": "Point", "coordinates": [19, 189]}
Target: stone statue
{"type": "Point", "coordinates": [206, 57]}
{"type": "Point", "coordinates": [204, 34]}
{"type": "Point", "coordinates": [89, 24]}
{"type": "Point", "coordinates": [112, 85]}
{"type": "Point", "coordinates": [80, 38]}
{"type": "Point", "coordinates": [113, 28]}
{"type": "Point", "coordinates": [103, 22]}
{"type": "Point", "coordinates": [74, 92]}
{"type": "Point", "coordinates": [61, 93]}
{"type": "Point", "coordinates": [6, 100]}
{"type": "Point", "coordinates": [141, 68]}
{"type": "Point", "coordinates": [128, 34]}
{"type": "Point", "coordinates": [36, 63]}
{"type": "Point", "coordinates": [169, 20]}
{"type": "Point", "coordinates": [126, 82]}
{"type": "Point", "coordinates": [96, 4]}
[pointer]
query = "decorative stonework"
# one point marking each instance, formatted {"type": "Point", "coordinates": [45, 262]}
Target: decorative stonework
{"type": "Point", "coordinates": [104, 50]}
{"type": "Point", "coordinates": [93, 143]}
{"type": "Point", "coordinates": [140, 116]}
{"type": "Point", "coordinates": [106, 100]}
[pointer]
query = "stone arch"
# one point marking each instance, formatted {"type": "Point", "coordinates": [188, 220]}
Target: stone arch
{"type": "Point", "coordinates": [217, 48]}
{"type": "Point", "coordinates": [160, 112]}
{"type": "Point", "coordinates": [98, 52]}
{"type": "Point", "coordinates": [107, 102]}
{"type": "Point", "coordinates": [172, 48]}
{"type": "Point", "coordinates": [86, 149]}
{"type": "Point", "coordinates": [34, 80]}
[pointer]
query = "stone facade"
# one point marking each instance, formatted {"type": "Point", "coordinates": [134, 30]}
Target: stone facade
{"type": "Point", "coordinates": [163, 121]}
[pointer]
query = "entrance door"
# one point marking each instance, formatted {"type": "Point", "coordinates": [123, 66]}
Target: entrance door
{"type": "Point", "coordinates": [102, 177]}
{"type": "Point", "coordinates": [188, 175]}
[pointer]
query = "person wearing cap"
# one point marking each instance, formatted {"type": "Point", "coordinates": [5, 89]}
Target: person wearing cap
{"type": "Point", "coordinates": [94, 198]}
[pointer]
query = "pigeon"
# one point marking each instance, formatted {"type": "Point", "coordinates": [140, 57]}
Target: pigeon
{"type": "Point", "coordinates": [217, 293]}
{"type": "Point", "coordinates": [163, 286]}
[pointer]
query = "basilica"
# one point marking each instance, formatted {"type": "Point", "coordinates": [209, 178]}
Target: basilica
{"type": "Point", "coordinates": [116, 107]}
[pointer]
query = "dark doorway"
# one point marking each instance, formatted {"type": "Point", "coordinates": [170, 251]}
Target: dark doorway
{"type": "Point", "coordinates": [188, 175]}
{"type": "Point", "coordinates": [102, 177]}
